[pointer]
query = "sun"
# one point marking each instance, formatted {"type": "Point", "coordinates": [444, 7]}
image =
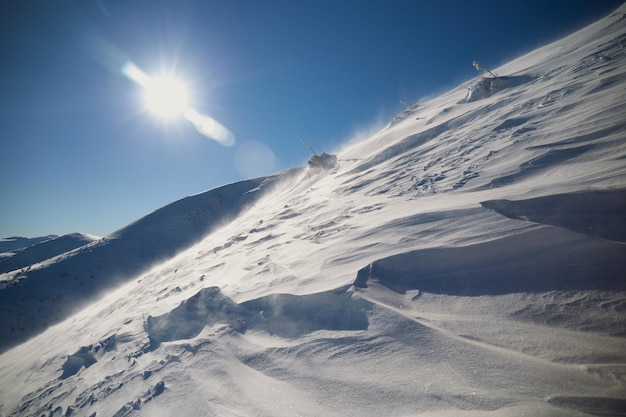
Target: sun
{"type": "Point", "coordinates": [166, 97]}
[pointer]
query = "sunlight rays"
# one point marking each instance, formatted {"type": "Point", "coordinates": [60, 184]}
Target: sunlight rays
{"type": "Point", "coordinates": [168, 98]}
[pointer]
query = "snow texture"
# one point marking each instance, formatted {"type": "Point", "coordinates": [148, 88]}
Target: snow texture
{"type": "Point", "coordinates": [466, 260]}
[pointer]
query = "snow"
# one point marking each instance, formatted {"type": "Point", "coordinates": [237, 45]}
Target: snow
{"type": "Point", "coordinates": [47, 249]}
{"type": "Point", "coordinates": [465, 260]}
{"type": "Point", "coordinates": [14, 244]}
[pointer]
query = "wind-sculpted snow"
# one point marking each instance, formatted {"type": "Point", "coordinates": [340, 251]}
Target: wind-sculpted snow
{"type": "Point", "coordinates": [535, 165]}
{"type": "Point", "coordinates": [595, 406]}
{"type": "Point", "coordinates": [410, 143]}
{"type": "Point", "coordinates": [186, 321]}
{"type": "Point", "coordinates": [547, 259]}
{"type": "Point", "coordinates": [87, 356]}
{"type": "Point", "coordinates": [284, 315]}
{"type": "Point", "coordinates": [595, 213]}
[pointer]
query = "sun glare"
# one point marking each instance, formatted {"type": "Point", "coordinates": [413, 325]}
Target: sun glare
{"type": "Point", "coordinates": [166, 97]}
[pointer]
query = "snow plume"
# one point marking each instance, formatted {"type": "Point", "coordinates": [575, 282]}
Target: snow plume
{"type": "Point", "coordinates": [253, 159]}
{"type": "Point", "coordinates": [361, 134]}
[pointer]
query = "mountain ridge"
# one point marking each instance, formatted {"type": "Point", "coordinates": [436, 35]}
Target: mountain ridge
{"type": "Point", "coordinates": [47, 249]}
{"type": "Point", "coordinates": [85, 272]}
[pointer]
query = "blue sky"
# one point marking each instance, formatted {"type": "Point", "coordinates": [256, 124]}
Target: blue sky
{"type": "Point", "coordinates": [79, 152]}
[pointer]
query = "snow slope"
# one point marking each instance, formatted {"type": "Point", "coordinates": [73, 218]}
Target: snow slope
{"type": "Point", "coordinates": [49, 291]}
{"type": "Point", "coordinates": [466, 260]}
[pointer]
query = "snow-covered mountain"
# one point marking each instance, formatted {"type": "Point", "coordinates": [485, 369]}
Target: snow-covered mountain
{"type": "Point", "coordinates": [41, 251]}
{"type": "Point", "coordinates": [13, 244]}
{"type": "Point", "coordinates": [42, 294]}
{"type": "Point", "coordinates": [466, 260]}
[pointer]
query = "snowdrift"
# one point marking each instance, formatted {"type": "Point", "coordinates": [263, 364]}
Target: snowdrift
{"type": "Point", "coordinates": [536, 261]}
{"type": "Point", "coordinates": [597, 213]}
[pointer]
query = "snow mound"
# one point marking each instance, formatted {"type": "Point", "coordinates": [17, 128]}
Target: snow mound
{"type": "Point", "coordinates": [285, 315]}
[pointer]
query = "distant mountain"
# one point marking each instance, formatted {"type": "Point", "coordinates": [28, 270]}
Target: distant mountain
{"type": "Point", "coordinates": [45, 250]}
{"type": "Point", "coordinates": [466, 260]}
{"type": "Point", "coordinates": [12, 244]}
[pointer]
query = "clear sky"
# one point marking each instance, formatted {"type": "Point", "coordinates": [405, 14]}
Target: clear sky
{"type": "Point", "coordinates": [81, 152]}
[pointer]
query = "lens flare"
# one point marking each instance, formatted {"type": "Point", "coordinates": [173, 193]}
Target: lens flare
{"type": "Point", "coordinates": [210, 127]}
{"type": "Point", "coordinates": [168, 98]}
{"type": "Point", "coordinates": [135, 73]}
